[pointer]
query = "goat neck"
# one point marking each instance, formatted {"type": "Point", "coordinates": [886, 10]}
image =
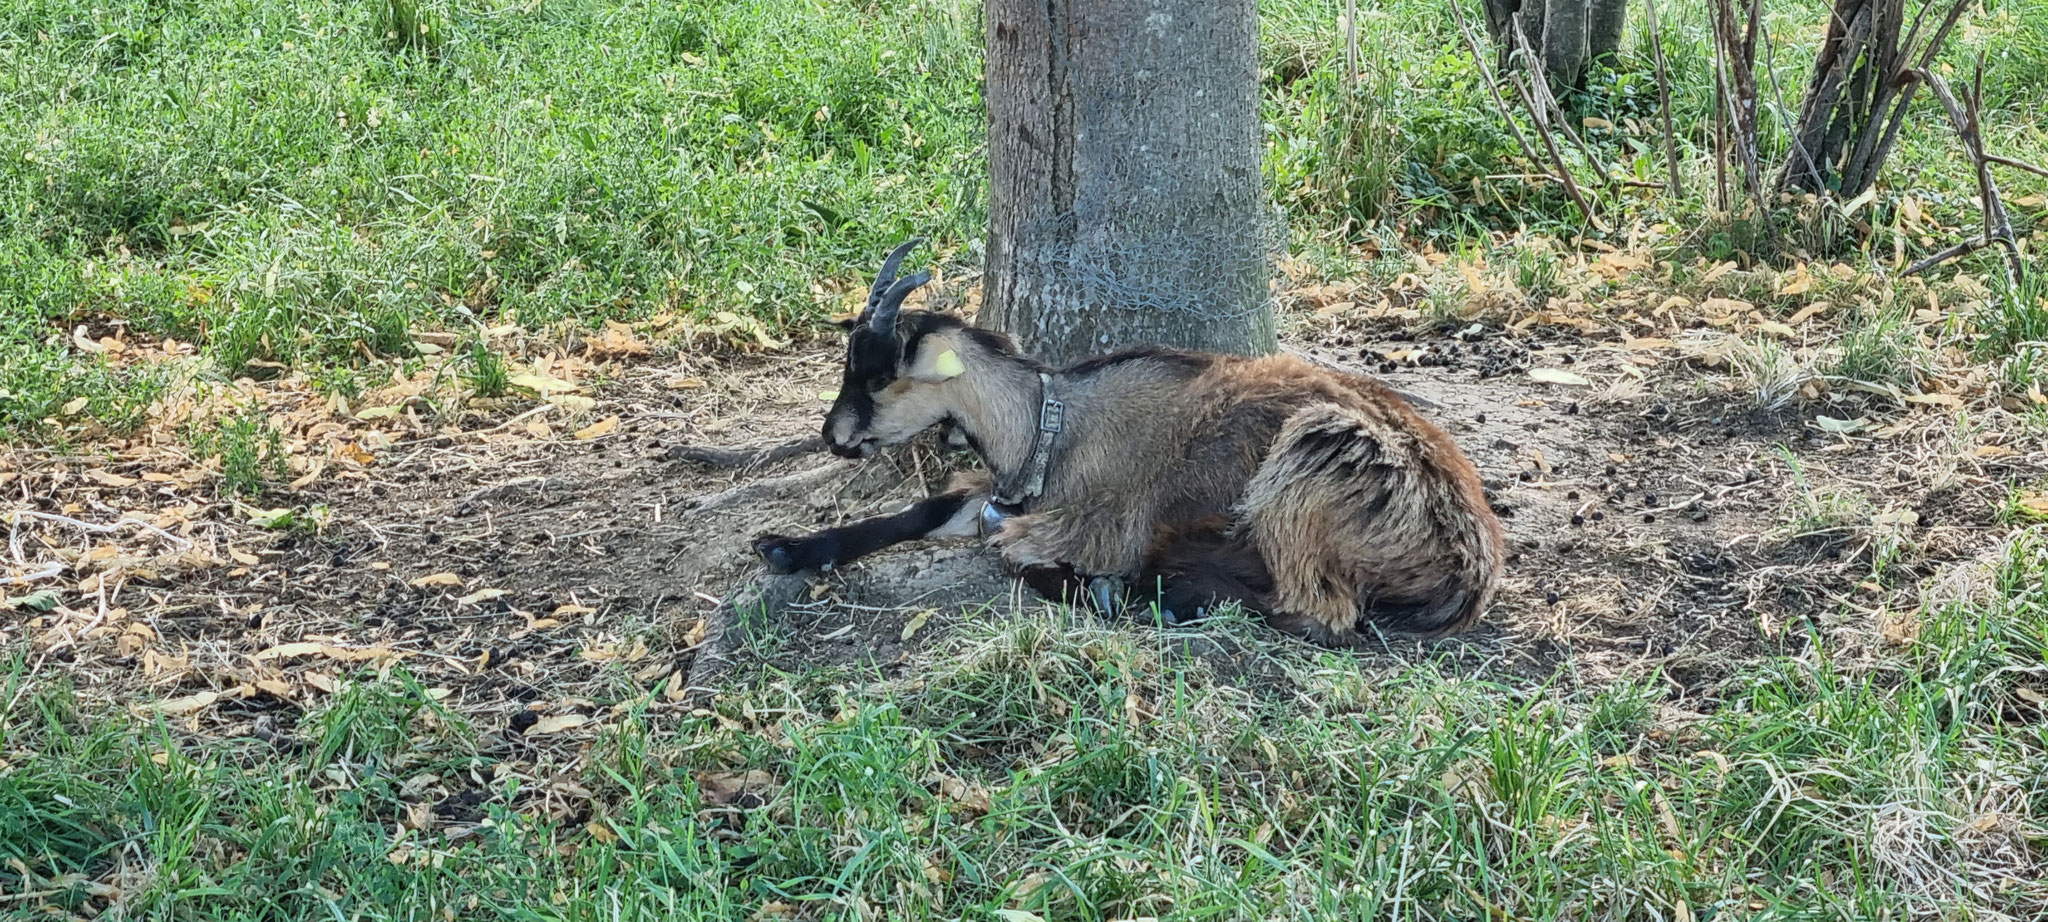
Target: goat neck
{"type": "Point", "coordinates": [997, 406]}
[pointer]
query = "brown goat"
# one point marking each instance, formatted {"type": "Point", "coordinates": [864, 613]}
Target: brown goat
{"type": "Point", "coordinates": [1174, 480]}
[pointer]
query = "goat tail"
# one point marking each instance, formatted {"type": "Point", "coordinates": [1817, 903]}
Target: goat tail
{"type": "Point", "coordinates": [1367, 513]}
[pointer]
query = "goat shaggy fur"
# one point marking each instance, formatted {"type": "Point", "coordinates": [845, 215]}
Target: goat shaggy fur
{"type": "Point", "coordinates": [1177, 481]}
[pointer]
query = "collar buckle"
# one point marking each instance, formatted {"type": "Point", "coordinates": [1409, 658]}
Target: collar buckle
{"type": "Point", "coordinates": [1052, 418]}
{"type": "Point", "coordinates": [1051, 414]}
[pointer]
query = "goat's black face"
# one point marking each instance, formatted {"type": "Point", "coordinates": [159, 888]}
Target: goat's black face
{"type": "Point", "coordinates": [895, 369]}
{"type": "Point", "coordinates": [871, 362]}
{"type": "Point", "coordinates": [896, 384]}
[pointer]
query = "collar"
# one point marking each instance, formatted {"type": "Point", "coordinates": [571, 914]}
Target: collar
{"type": "Point", "coordinates": [1051, 418]}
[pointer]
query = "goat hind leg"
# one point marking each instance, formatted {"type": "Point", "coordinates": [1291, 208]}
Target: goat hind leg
{"type": "Point", "coordinates": [1198, 568]}
{"type": "Point", "coordinates": [1060, 583]}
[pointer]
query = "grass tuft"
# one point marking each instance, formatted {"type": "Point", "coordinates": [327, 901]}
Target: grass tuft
{"type": "Point", "coordinates": [249, 449]}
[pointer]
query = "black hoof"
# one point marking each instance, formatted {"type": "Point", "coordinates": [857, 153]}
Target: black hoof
{"type": "Point", "coordinates": [790, 555]}
{"type": "Point", "coordinates": [991, 519]}
{"type": "Point", "coordinates": [1107, 594]}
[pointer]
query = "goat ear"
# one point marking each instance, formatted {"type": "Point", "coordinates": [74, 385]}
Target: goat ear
{"type": "Point", "coordinates": [936, 361]}
{"type": "Point", "coordinates": [846, 322]}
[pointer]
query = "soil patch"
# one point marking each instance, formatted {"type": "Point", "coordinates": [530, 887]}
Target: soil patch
{"type": "Point", "coordinates": [1659, 526]}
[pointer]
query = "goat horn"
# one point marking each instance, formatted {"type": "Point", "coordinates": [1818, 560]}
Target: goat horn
{"type": "Point", "coordinates": [884, 278]}
{"type": "Point", "coordinates": [883, 322]}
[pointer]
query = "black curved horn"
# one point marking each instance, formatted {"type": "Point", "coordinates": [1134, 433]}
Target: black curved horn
{"type": "Point", "coordinates": [883, 320]}
{"type": "Point", "coordinates": [887, 276]}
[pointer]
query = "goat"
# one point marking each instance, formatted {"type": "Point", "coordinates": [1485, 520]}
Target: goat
{"type": "Point", "coordinates": [1174, 480]}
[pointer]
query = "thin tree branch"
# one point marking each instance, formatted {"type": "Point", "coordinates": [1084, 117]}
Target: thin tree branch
{"type": "Point", "coordinates": [1664, 100]}
{"type": "Point", "coordinates": [1562, 175]}
{"type": "Point", "coordinates": [1967, 118]}
{"type": "Point", "coordinates": [1540, 91]}
{"type": "Point", "coordinates": [2015, 164]}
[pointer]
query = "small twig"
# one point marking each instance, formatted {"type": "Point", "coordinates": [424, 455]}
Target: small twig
{"type": "Point", "coordinates": [712, 456]}
{"type": "Point", "coordinates": [1955, 251]}
{"type": "Point", "coordinates": [1500, 104]}
{"type": "Point", "coordinates": [98, 528]}
{"type": "Point", "coordinates": [1664, 98]}
{"type": "Point", "coordinates": [1966, 117]}
{"type": "Point", "coordinates": [1778, 88]}
{"type": "Point", "coordinates": [406, 443]}
{"type": "Point", "coordinates": [48, 570]}
{"type": "Point", "coordinates": [2015, 164]}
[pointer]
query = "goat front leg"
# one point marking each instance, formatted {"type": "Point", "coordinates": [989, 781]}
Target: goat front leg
{"type": "Point", "coordinates": [954, 514]}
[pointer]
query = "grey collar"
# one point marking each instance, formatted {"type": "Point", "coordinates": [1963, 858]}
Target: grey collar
{"type": "Point", "coordinates": [1051, 417]}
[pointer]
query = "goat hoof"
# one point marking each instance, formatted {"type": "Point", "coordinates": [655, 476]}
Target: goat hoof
{"type": "Point", "coordinates": [991, 519]}
{"type": "Point", "coordinates": [1107, 592]}
{"type": "Point", "coordinates": [783, 555]}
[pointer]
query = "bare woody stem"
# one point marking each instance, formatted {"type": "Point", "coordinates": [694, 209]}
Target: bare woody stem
{"type": "Point", "coordinates": [1664, 99]}
{"type": "Point", "coordinates": [1966, 116]}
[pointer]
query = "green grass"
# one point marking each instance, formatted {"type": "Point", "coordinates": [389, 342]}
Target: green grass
{"type": "Point", "coordinates": [302, 185]}
{"type": "Point", "coordinates": [1881, 349]}
{"type": "Point", "coordinates": [485, 371]}
{"type": "Point", "coordinates": [282, 183]}
{"type": "Point", "coordinates": [307, 184]}
{"type": "Point", "coordinates": [248, 449]}
{"type": "Point", "coordinates": [1058, 768]}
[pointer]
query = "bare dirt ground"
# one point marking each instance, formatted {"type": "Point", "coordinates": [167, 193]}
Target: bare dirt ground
{"type": "Point", "coordinates": [539, 581]}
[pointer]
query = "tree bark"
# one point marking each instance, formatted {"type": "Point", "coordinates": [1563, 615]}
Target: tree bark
{"type": "Point", "coordinates": [1608, 19]}
{"type": "Point", "coordinates": [1126, 204]}
{"type": "Point", "coordinates": [1566, 43]}
{"type": "Point", "coordinates": [1569, 34]}
{"type": "Point", "coordinates": [1856, 100]}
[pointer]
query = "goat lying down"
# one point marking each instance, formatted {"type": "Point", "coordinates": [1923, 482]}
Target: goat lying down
{"type": "Point", "coordinates": [1167, 480]}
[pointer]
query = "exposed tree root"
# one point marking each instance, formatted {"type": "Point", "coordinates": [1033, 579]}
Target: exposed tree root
{"type": "Point", "coordinates": [758, 490]}
{"type": "Point", "coordinates": [711, 456]}
{"type": "Point", "coordinates": [729, 625]}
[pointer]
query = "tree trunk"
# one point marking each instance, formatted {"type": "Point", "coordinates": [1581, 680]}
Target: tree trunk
{"type": "Point", "coordinates": [1568, 34]}
{"type": "Point", "coordinates": [1603, 30]}
{"type": "Point", "coordinates": [1856, 99]}
{"type": "Point", "coordinates": [1566, 43]}
{"type": "Point", "coordinates": [1126, 204]}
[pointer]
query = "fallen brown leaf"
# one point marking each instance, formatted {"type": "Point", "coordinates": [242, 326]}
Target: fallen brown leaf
{"type": "Point", "coordinates": [557, 724]}
{"type": "Point", "coordinates": [309, 648]}
{"type": "Point", "coordinates": [972, 798]}
{"type": "Point", "coordinates": [753, 787]}
{"type": "Point", "coordinates": [1808, 312]}
{"type": "Point", "coordinates": [175, 707]}
{"type": "Point", "coordinates": [1559, 376]}
{"type": "Point", "coordinates": [598, 428]}
{"type": "Point", "coordinates": [108, 479]}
